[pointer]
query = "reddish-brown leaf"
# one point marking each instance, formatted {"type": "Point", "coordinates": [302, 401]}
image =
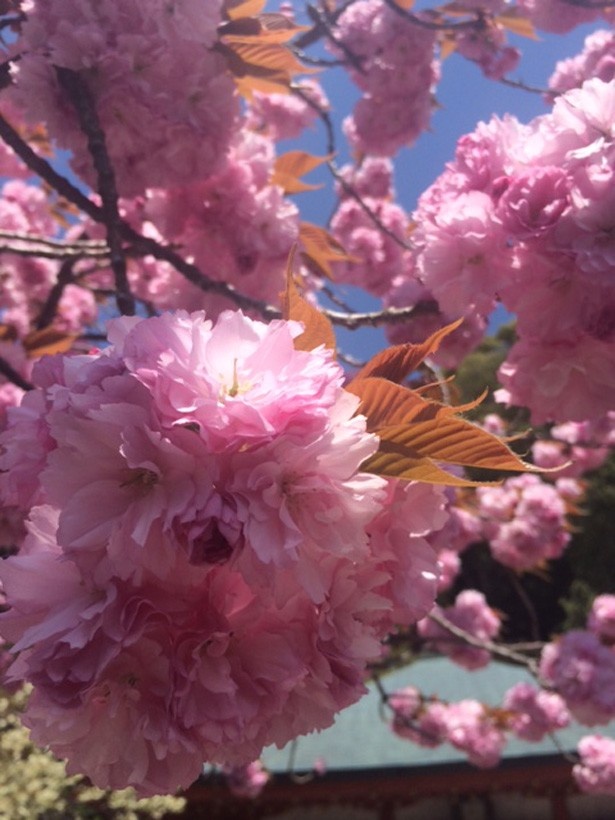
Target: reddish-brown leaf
{"type": "Point", "coordinates": [384, 403]}
{"type": "Point", "coordinates": [320, 249]}
{"type": "Point", "coordinates": [518, 24]}
{"type": "Point", "coordinates": [48, 341]}
{"type": "Point", "coordinates": [397, 362]}
{"type": "Point", "coordinates": [446, 438]}
{"type": "Point", "coordinates": [7, 333]}
{"type": "Point", "coordinates": [291, 166]}
{"type": "Point", "coordinates": [318, 329]}
{"type": "Point", "coordinates": [404, 465]}
{"type": "Point", "coordinates": [244, 8]}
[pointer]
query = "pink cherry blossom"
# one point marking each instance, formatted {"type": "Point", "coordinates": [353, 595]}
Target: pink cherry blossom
{"type": "Point", "coordinates": [163, 95]}
{"type": "Point", "coordinates": [207, 570]}
{"type": "Point", "coordinates": [595, 773]}
{"type": "Point", "coordinates": [582, 670]}
{"type": "Point", "coordinates": [601, 619]}
{"type": "Point", "coordinates": [536, 712]}
{"type": "Point", "coordinates": [470, 613]}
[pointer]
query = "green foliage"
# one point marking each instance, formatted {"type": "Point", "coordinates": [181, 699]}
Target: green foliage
{"type": "Point", "coordinates": [34, 785]}
{"type": "Point", "coordinates": [591, 554]}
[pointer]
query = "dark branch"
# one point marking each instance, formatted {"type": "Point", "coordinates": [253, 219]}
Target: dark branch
{"type": "Point", "coordinates": [79, 93]}
{"type": "Point", "coordinates": [13, 376]}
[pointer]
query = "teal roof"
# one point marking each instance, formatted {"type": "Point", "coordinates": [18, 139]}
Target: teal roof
{"type": "Point", "coordinates": [360, 737]}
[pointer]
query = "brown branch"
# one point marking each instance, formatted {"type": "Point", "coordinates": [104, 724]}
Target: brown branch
{"type": "Point", "coordinates": [476, 22]}
{"type": "Point", "coordinates": [498, 650]}
{"type": "Point", "coordinates": [377, 318]}
{"type": "Point", "coordinates": [23, 244]}
{"type": "Point", "coordinates": [78, 91]}
{"type": "Point", "coordinates": [145, 245]}
{"type": "Point", "coordinates": [65, 277]}
{"type": "Point", "coordinates": [12, 375]}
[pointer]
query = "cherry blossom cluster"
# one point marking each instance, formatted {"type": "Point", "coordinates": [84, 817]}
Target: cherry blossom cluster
{"type": "Point", "coordinates": [286, 116]}
{"type": "Point", "coordinates": [480, 731]}
{"type": "Point", "coordinates": [524, 521]}
{"type": "Point", "coordinates": [596, 60]}
{"type": "Point", "coordinates": [164, 97]}
{"type": "Point", "coordinates": [467, 725]}
{"type": "Point", "coordinates": [560, 16]}
{"type": "Point", "coordinates": [26, 280]}
{"type": "Point", "coordinates": [207, 570]}
{"type": "Point", "coordinates": [524, 214]}
{"type": "Point", "coordinates": [234, 225]}
{"type": "Point", "coordinates": [375, 255]}
{"type": "Point", "coordinates": [394, 66]}
{"type": "Point", "coordinates": [575, 447]}
{"type": "Point", "coordinates": [470, 613]}
{"type": "Point", "coordinates": [580, 666]}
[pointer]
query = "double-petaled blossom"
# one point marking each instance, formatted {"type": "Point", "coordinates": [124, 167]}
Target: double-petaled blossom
{"type": "Point", "coordinates": [207, 569]}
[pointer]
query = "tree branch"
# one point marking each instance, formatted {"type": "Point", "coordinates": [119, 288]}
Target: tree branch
{"type": "Point", "coordinates": [12, 375]}
{"type": "Point", "coordinates": [80, 95]}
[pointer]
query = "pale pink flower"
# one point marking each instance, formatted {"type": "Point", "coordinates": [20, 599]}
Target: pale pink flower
{"type": "Point", "coordinates": [601, 619]}
{"type": "Point", "coordinates": [595, 772]}
{"type": "Point", "coordinates": [248, 780]}
{"type": "Point", "coordinates": [470, 728]}
{"type": "Point", "coordinates": [207, 570]}
{"type": "Point", "coordinates": [471, 614]}
{"type": "Point", "coordinates": [536, 712]}
{"type": "Point", "coordinates": [582, 670]}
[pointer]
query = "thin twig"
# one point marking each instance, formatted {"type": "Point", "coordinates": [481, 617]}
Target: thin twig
{"type": "Point", "coordinates": [498, 650]}
{"type": "Point", "coordinates": [29, 245]}
{"type": "Point", "coordinates": [146, 245]}
{"type": "Point", "coordinates": [432, 25]}
{"type": "Point", "coordinates": [519, 84]}
{"type": "Point", "coordinates": [527, 605]}
{"type": "Point", "coordinates": [377, 318]}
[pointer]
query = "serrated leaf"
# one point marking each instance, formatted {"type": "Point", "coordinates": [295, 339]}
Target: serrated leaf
{"type": "Point", "coordinates": [413, 468]}
{"type": "Point", "coordinates": [267, 57]}
{"type": "Point", "coordinates": [318, 330]}
{"type": "Point", "coordinates": [320, 249]}
{"type": "Point", "coordinates": [453, 440]}
{"type": "Point", "coordinates": [291, 166]}
{"type": "Point", "coordinates": [518, 25]}
{"type": "Point", "coordinates": [244, 8]}
{"type": "Point", "coordinates": [397, 362]}
{"type": "Point", "coordinates": [384, 403]}
{"type": "Point", "coordinates": [48, 341]}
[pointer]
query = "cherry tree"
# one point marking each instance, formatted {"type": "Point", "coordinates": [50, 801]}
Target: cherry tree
{"type": "Point", "coordinates": [216, 526]}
